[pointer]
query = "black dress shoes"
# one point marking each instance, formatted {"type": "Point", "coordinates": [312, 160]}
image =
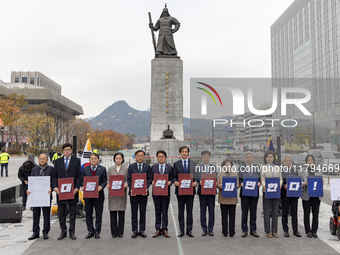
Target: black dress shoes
{"type": "Point", "coordinates": [34, 236]}
{"type": "Point", "coordinates": [190, 234]}
{"type": "Point", "coordinates": [142, 234]}
{"type": "Point", "coordinates": [114, 236]}
{"type": "Point", "coordinates": [297, 234]}
{"type": "Point", "coordinates": [309, 235]}
{"type": "Point", "coordinates": [120, 236]}
{"type": "Point", "coordinates": [97, 235]}
{"type": "Point", "coordinates": [73, 237]}
{"type": "Point", "coordinates": [62, 236]}
{"type": "Point", "coordinates": [181, 234]}
{"type": "Point", "coordinates": [286, 234]}
{"type": "Point", "coordinates": [204, 233]}
{"type": "Point", "coordinates": [89, 235]}
{"type": "Point", "coordinates": [134, 234]}
{"type": "Point", "coordinates": [46, 237]}
{"type": "Point", "coordinates": [211, 233]}
{"type": "Point", "coordinates": [314, 235]}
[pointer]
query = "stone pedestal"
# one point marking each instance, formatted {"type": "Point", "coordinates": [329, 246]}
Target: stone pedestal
{"type": "Point", "coordinates": [166, 104]}
{"type": "Point", "coordinates": [170, 146]}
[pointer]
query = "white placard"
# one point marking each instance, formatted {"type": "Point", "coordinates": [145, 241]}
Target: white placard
{"type": "Point", "coordinates": [39, 187]}
{"type": "Point", "coordinates": [335, 189]}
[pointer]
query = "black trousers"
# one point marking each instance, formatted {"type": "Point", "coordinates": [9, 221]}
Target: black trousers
{"type": "Point", "coordinates": [36, 219]}
{"type": "Point", "coordinates": [248, 204]}
{"type": "Point", "coordinates": [228, 211]}
{"type": "Point", "coordinates": [313, 204]}
{"type": "Point", "coordinates": [98, 205]}
{"type": "Point", "coordinates": [188, 201]}
{"type": "Point", "coordinates": [291, 202]}
{"type": "Point", "coordinates": [207, 201]}
{"type": "Point", "coordinates": [24, 196]}
{"type": "Point", "coordinates": [161, 210]}
{"type": "Point", "coordinates": [117, 225]}
{"type": "Point", "coordinates": [141, 202]}
{"type": "Point", "coordinates": [62, 213]}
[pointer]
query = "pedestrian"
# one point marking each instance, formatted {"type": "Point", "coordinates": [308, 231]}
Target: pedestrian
{"type": "Point", "coordinates": [4, 157]}
{"type": "Point", "coordinates": [23, 173]}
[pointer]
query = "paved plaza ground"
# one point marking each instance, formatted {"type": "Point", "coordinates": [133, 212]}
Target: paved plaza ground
{"type": "Point", "coordinates": [13, 237]}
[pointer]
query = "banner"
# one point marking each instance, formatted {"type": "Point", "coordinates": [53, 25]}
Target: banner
{"type": "Point", "coordinates": [273, 187]}
{"type": "Point", "coordinates": [208, 186]}
{"type": "Point", "coordinates": [91, 186]}
{"type": "Point", "coordinates": [116, 184]}
{"type": "Point", "coordinates": [250, 188]}
{"type": "Point", "coordinates": [294, 186]}
{"type": "Point", "coordinates": [139, 184]}
{"type": "Point", "coordinates": [185, 184]}
{"type": "Point", "coordinates": [229, 186]}
{"type": "Point", "coordinates": [335, 189]}
{"type": "Point", "coordinates": [66, 188]}
{"type": "Point", "coordinates": [160, 187]}
{"type": "Point", "coordinates": [39, 187]}
{"type": "Point", "coordinates": [315, 186]}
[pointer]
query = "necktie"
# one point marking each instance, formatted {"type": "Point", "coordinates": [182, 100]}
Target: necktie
{"type": "Point", "coordinates": [66, 163]}
{"type": "Point", "coordinates": [140, 168]}
{"type": "Point", "coordinates": [185, 166]}
{"type": "Point", "coordinates": [93, 168]}
{"type": "Point", "coordinates": [162, 171]}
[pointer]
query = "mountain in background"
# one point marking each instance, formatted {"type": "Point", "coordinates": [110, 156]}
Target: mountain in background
{"type": "Point", "coordinates": [122, 118]}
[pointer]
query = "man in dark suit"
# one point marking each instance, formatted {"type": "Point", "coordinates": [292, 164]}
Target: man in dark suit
{"type": "Point", "coordinates": [162, 202]}
{"type": "Point", "coordinates": [139, 200]}
{"type": "Point", "coordinates": [206, 200]}
{"type": "Point", "coordinates": [66, 167]}
{"type": "Point", "coordinates": [249, 203]}
{"type": "Point", "coordinates": [98, 203]}
{"type": "Point", "coordinates": [42, 170]}
{"type": "Point", "coordinates": [287, 202]}
{"type": "Point", "coordinates": [185, 166]}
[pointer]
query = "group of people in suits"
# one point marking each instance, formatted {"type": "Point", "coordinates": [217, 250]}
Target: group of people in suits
{"type": "Point", "coordinates": [69, 166]}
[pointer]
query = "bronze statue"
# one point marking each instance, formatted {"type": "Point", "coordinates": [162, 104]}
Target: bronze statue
{"type": "Point", "coordinates": [165, 43]}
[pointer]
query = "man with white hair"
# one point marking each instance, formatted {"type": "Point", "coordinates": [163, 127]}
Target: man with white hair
{"type": "Point", "coordinates": [287, 202]}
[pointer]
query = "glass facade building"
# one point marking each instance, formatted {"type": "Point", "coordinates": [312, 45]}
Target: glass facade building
{"type": "Point", "coordinates": [305, 53]}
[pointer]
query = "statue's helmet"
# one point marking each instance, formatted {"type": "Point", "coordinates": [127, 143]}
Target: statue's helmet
{"type": "Point", "coordinates": [165, 12]}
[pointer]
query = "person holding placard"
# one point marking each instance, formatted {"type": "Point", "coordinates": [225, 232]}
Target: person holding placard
{"type": "Point", "coordinates": [206, 201]}
{"type": "Point", "coordinates": [249, 203]}
{"type": "Point", "coordinates": [185, 166]}
{"type": "Point", "coordinates": [289, 202]}
{"type": "Point", "coordinates": [94, 169]}
{"type": "Point", "coordinates": [117, 205]}
{"type": "Point", "coordinates": [310, 203]}
{"type": "Point", "coordinates": [269, 169]}
{"type": "Point", "coordinates": [67, 166]}
{"type": "Point", "coordinates": [41, 170]}
{"type": "Point", "coordinates": [227, 204]}
{"type": "Point", "coordinates": [140, 201]}
{"type": "Point", "coordinates": [161, 202]}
